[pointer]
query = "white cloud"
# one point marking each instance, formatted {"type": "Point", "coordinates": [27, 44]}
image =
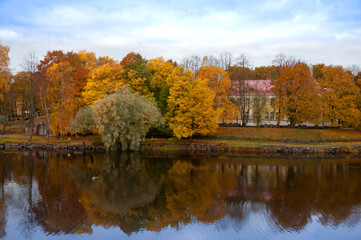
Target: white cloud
{"type": "Point", "coordinates": [175, 30]}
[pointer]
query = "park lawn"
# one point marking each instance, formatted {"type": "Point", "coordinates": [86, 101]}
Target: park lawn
{"type": "Point", "coordinates": [20, 138]}
{"type": "Point", "coordinates": [264, 134]}
{"type": "Point", "coordinates": [233, 136]}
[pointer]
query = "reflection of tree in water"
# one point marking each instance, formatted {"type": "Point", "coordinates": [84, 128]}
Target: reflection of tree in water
{"type": "Point", "coordinates": [2, 200]}
{"type": "Point", "coordinates": [123, 189]}
{"type": "Point", "coordinates": [295, 193]}
{"type": "Point", "coordinates": [134, 192]}
{"type": "Point", "coordinates": [197, 191]}
{"type": "Point", "coordinates": [60, 210]}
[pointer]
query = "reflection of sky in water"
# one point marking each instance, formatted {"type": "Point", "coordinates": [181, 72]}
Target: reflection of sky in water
{"type": "Point", "coordinates": [243, 199]}
{"type": "Point", "coordinates": [257, 225]}
{"type": "Point", "coordinates": [255, 228]}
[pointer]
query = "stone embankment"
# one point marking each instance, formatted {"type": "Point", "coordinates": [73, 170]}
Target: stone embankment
{"type": "Point", "coordinates": [49, 147]}
{"type": "Point", "coordinates": [206, 148]}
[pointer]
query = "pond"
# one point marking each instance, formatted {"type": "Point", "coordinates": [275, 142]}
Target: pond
{"type": "Point", "coordinates": [52, 195]}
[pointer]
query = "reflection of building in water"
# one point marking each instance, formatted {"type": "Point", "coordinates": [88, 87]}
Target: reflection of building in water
{"type": "Point", "coordinates": [134, 193]}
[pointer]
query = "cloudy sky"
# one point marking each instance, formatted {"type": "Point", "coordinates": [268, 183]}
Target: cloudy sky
{"type": "Point", "coordinates": [315, 31]}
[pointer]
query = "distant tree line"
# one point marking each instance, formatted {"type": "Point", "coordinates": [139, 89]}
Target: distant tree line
{"type": "Point", "coordinates": [69, 89]}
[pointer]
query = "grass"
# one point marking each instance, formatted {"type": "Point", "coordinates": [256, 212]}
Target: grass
{"type": "Point", "coordinates": [305, 135]}
{"type": "Point", "coordinates": [20, 138]}
{"type": "Point", "coordinates": [233, 136]}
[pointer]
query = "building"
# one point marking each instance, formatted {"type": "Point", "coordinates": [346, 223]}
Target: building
{"type": "Point", "coordinates": [259, 98]}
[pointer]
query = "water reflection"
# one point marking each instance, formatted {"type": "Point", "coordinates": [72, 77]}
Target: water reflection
{"type": "Point", "coordinates": [52, 194]}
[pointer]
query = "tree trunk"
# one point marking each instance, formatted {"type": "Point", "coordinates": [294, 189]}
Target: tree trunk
{"type": "Point", "coordinates": [5, 112]}
{"type": "Point", "coordinates": [31, 107]}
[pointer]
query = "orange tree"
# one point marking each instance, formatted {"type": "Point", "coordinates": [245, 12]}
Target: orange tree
{"type": "Point", "coordinates": [297, 96]}
{"type": "Point", "coordinates": [339, 97]}
{"type": "Point", "coordinates": [219, 82]}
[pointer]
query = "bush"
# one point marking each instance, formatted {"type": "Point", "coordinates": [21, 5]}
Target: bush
{"type": "Point", "coordinates": [125, 117]}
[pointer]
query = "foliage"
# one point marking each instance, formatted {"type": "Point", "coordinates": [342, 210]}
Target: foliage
{"type": "Point", "coordinates": [124, 117]}
{"type": "Point", "coordinates": [297, 96]}
{"type": "Point", "coordinates": [191, 105]}
{"type": "Point", "coordinates": [60, 93]}
{"type": "Point", "coordinates": [83, 122]}
{"type": "Point", "coordinates": [219, 81]}
{"type": "Point", "coordinates": [103, 80]}
{"type": "Point", "coordinates": [239, 75]}
{"type": "Point", "coordinates": [20, 91]}
{"type": "Point", "coordinates": [5, 74]}
{"type": "Point", "coordinates": [339, 97]}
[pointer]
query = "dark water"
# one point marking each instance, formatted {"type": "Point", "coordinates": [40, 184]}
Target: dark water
{"type": "Point", "coordinates": [54, 196]}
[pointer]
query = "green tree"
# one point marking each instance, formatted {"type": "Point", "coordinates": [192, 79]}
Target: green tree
{"type": "Point", "coordinates": [124, 117]}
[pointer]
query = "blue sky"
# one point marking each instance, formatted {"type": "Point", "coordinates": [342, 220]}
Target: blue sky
{"type": "Point", "coordinates": [316, 31]}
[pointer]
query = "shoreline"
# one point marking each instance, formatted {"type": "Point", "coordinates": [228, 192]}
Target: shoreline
{"type": "Point", "coordinates": [202, 148]}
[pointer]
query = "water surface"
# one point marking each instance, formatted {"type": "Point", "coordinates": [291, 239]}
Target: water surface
{"type": "Point", "coordinates": [49, 195]}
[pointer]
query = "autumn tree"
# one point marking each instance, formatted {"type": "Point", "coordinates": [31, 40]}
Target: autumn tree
{"type": "Point", "coordinates": [5, 77]}
{"type": "Point", "coordinates": [124, 117]}
{"type": "Point", "coordinates": [339, 97]}
{"type": "Point", "coordinates": [137, 75]}
{"type": "Point", "coordinates": [51, 58]}
{"type": "Point", "coordinates": [60, 92]}
{"type": "Point", "coordinates": [219, 82]}
{"type": "Point", "coordinates": [160, 80]}
{"type": "Point", "coordinates": [297, 95]}
{"type": "Point", "coordinates": [239, 75]}
{"type": "Point", "coordinates": [21, 91]}
{"type": "Point", "coordinates": [103, 80]}
{"type": "Point", "coordinates": [192, 108]}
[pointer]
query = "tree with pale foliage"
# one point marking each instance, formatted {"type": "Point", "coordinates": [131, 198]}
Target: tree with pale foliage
{"type": "Point", "coordinates": [297, 95]}
{"type": "Point", "coordinates": [191, 107]}
{"type": "Point", "coordinates": [103, 80]}
{"type": "Point", "coordinates": [124, 117]}
{"type": "Point", "coordinates": [31, 65]}
{"type": "Point", "coordinates": [83, 122]}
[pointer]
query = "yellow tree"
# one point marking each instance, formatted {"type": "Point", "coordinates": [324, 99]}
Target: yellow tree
{"type": "Point", "coordinates": [339, 97]}
{"type": "Point", "coordinates": [88, 60]}
{"type": "Point", "coordinates": [160, 80]}
{"type": "Point", "coordinates": [139, 84]}
{"type": "Point", "coordinates": [5, 73]}
{"type": "Point", "coordinates": [61, 93]}
{"type": "Point", "coordinates": [103, 80]}
{"type": "Point", "coordinates": [191, 107]}
{"type": "Point", "coordinates": [220, 83]}
{"type": "Point", "coordinates": [297, 96]}
{"type": "Point", "coordinates": [21, 90]}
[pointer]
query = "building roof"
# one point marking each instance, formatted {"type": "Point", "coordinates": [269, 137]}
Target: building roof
{"type": "Point", "coordinates": [252, 86]}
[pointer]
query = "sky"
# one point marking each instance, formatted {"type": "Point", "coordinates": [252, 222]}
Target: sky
{"type": "Point", "coordinates": [315, 31]}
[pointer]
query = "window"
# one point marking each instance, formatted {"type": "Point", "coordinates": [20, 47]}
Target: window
{"type": "Point", "coordinates": [247, 102]}
{"type": "Point", "coordinates": [272, 116]}
{"type": "Point", "coordinates": [273, 102]}
{"type": "Point", "coordinates": [266, 116]}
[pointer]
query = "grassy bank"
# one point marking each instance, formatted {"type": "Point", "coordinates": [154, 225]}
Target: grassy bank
{"type": "Point", "coordinates": [232, 136]}
{"type": "Point", "coordinates": [281, 134]}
